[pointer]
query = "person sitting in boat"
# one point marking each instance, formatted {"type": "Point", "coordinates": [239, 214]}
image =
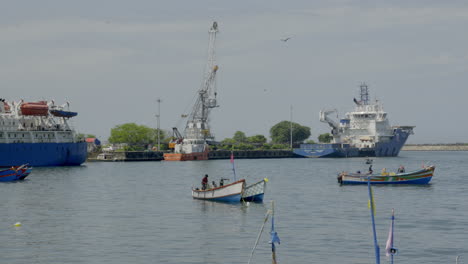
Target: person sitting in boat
{"type": "Point", "coordinates": [214, 184]}
{"type": "Point", "coordinates": [370, 170]}
{"type": "Point", "coordinates": [204, 182]}
{"type": "Point", "coordinates": [384, 172]}
{"type": "Point", "coordinates": [221, 182]}
{"type": "Point", "coordinates": [401, 169]}
{"type": "Point", "coordinates": [358, 172]}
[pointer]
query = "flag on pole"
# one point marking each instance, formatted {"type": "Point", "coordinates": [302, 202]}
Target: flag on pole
{"type": "Point", "coordinates": [389, 250]}
{"type": "Point", "coordinates": [274, 235]}
{"type": "Point", "coordinates": [233, 167]}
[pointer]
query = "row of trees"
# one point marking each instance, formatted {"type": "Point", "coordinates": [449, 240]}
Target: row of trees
{"type": "Point", "coordinates": [139, 137]}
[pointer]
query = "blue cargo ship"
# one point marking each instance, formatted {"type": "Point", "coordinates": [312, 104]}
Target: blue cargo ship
{"type": "Point", "coordinates": [38, 134]}
{"type": "Point", "coordinates": [365, 132]}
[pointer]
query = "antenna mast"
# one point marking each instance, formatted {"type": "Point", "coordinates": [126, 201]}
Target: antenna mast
{"type": "Point", "coordinates": [364, 94]}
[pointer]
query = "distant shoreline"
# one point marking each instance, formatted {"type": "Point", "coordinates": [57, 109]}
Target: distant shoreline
{"type": "Point", "coordinates": [435, 147]}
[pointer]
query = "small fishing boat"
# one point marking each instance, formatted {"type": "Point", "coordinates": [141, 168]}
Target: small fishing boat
{"type": "Point", "coordinates": [422, 176]}
{"type": "Point", "coordinates": [255, 192]}
{"type": "Point", "coordinates": [230, 193]}
{"type": "Point", "coordinates": [24, 170]}
{"type": "Point", "coordinates": [15, 173]}
{"type": "Point", "coordinates": [369, 161]}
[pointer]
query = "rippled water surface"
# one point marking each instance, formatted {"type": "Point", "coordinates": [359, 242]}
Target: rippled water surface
{"type": "Point", "coordinates": [143, 212]}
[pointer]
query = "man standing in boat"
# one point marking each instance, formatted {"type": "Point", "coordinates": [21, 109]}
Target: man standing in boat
{"type": "Point", "coordinates": [204, 182]}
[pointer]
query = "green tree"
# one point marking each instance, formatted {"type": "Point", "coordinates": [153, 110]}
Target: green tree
{"type": "Point", "coordinates": [134, 134]}
{"type": "Point", "coordinates": [281, 132]}
{"type": "Point", "coordinates": [325, 138]}
{"type": "Point", "coordinates": [310, 141]}
{"type": "Point", "coordinates": [83, 136]}
{"type": "Point", "coordinates": [243, 146]}
{"type": "Point", "coordinates": [257, 139]}
{"type": "Point", "coordinates": [239, 137]}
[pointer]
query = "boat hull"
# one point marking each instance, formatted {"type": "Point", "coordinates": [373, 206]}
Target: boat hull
{"type": "Point", "coordinates": [186, 156]}
{"type": "Point", "coordinates": [230, 193]}
{"type": "Point", "coordinates": [254, 192]}
{"type": "Point", "coordinates": [423, 176]}
{"type": "Point", "coordinates": [43, 154]}
{"type": "Point", "coordinates": [14, 173]}
{"type": "Point", "coordinates": [382, 149]}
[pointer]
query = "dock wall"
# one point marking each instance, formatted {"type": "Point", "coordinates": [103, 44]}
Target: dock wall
{"type": "Point", "coordinates": [251, 154]}
{"type": "Point", "coordinates": [435, 147]}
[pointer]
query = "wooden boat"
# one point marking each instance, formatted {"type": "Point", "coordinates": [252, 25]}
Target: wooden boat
{"type": "Point", "coordinates": [255, 192]}
{"type": "Point", "coordinates": [422, 176]}
{"type": "Point", "coordinates": [35, 108]}
{"type": "Point", "coordinates": [230, 193]}
{"type": "Point", "coordinates": [63, 113]}
{"type": "Point", "coordinates": [15, 173]}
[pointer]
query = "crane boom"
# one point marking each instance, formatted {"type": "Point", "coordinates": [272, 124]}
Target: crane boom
{"type": "Point", "coordinates": [197, 124]}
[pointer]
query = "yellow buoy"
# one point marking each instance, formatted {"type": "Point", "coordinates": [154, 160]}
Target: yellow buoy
{"type": "Point", "coordinates": [265, 179]}
{"type": "Point", "coordinates": [17, 224]}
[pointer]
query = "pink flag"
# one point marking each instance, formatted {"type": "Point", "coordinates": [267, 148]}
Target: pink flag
{"type": "Point", "coordinates": [232, 157]}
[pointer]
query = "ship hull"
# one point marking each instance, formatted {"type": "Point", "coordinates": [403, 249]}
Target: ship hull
{"type": "Point", "coordinates": [382, 149]}
{"type": "Point", "coordinates": [186, 156]}
{"type": "Point", "coordinates": [43, 154]}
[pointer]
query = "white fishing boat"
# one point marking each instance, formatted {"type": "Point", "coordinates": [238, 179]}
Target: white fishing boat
{"type": "Point", "coordinates": [230, 193]}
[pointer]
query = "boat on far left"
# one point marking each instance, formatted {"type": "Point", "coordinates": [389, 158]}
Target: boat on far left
{"type": "Point", "coordinates": [38, 134]}
{"type": "Point", "coordinates": [15, 173]}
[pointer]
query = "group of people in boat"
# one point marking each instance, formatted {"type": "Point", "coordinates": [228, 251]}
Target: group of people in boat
{"type": "Point", "coordinates": [384, 172]}
{"type": "Point", "coordinates": [205, 185]}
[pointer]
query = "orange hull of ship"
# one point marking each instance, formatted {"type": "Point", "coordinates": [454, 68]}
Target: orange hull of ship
{"type": "Point", "coordinates": [184, 157]}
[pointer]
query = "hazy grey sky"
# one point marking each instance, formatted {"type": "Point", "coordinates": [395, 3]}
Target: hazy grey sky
{"type": "Point", "coordinates": [113, 59]}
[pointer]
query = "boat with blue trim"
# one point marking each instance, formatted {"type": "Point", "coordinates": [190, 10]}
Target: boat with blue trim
{"type": "Point", "coordinates": [422, 176]}
{"type": "Point", "coordinates": [15, 173]}
{"type": "Point", "coordinates": [255, 192]}
{"type": "Point", "coordinates": [365, 132]}
{"type": "Point", "coordinates": [31, 134]}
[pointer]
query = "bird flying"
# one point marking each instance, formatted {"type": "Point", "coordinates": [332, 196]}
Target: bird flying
{"type": "Point", "coordinates": [285, 39]}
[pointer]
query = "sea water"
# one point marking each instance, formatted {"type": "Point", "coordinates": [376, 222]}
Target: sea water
{"type": "Point", "coordinates": [143, 212]}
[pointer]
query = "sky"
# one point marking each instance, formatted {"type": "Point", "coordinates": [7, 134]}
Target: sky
{"type": "Point", "coordinates": [112, 60]}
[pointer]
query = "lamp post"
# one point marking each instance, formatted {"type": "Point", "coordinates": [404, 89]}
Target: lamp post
{"type": "Point", "coordinates": [291, 129]}
{"type": "Point", "coordinates": [158, 116]}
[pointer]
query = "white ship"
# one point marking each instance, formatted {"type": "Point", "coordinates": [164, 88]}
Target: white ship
{"type": "Point", "coordinates": [365, 132]}
{"type": "Point", "coordinates": [38, 134]}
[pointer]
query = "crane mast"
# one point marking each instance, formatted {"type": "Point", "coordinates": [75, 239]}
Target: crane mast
{"type": "Point", "coordinates": [197, 125]}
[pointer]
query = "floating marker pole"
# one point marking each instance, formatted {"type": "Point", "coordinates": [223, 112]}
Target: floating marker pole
{"type": "Point", "coordinates": [372, 206]}
{"type": "Point", "coordinates": [393, 220]}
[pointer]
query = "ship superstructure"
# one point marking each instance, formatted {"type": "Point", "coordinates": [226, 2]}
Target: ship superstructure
{"type": "Point", "coordinates": [366, 131]}
{"type": "Point", "coordinates": [197, 133]}
{"type": "Point", "coordinates": [38, 133]}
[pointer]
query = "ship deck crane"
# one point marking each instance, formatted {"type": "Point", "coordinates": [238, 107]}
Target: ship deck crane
{"type": "Point", "coordinates": [324, 117]}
